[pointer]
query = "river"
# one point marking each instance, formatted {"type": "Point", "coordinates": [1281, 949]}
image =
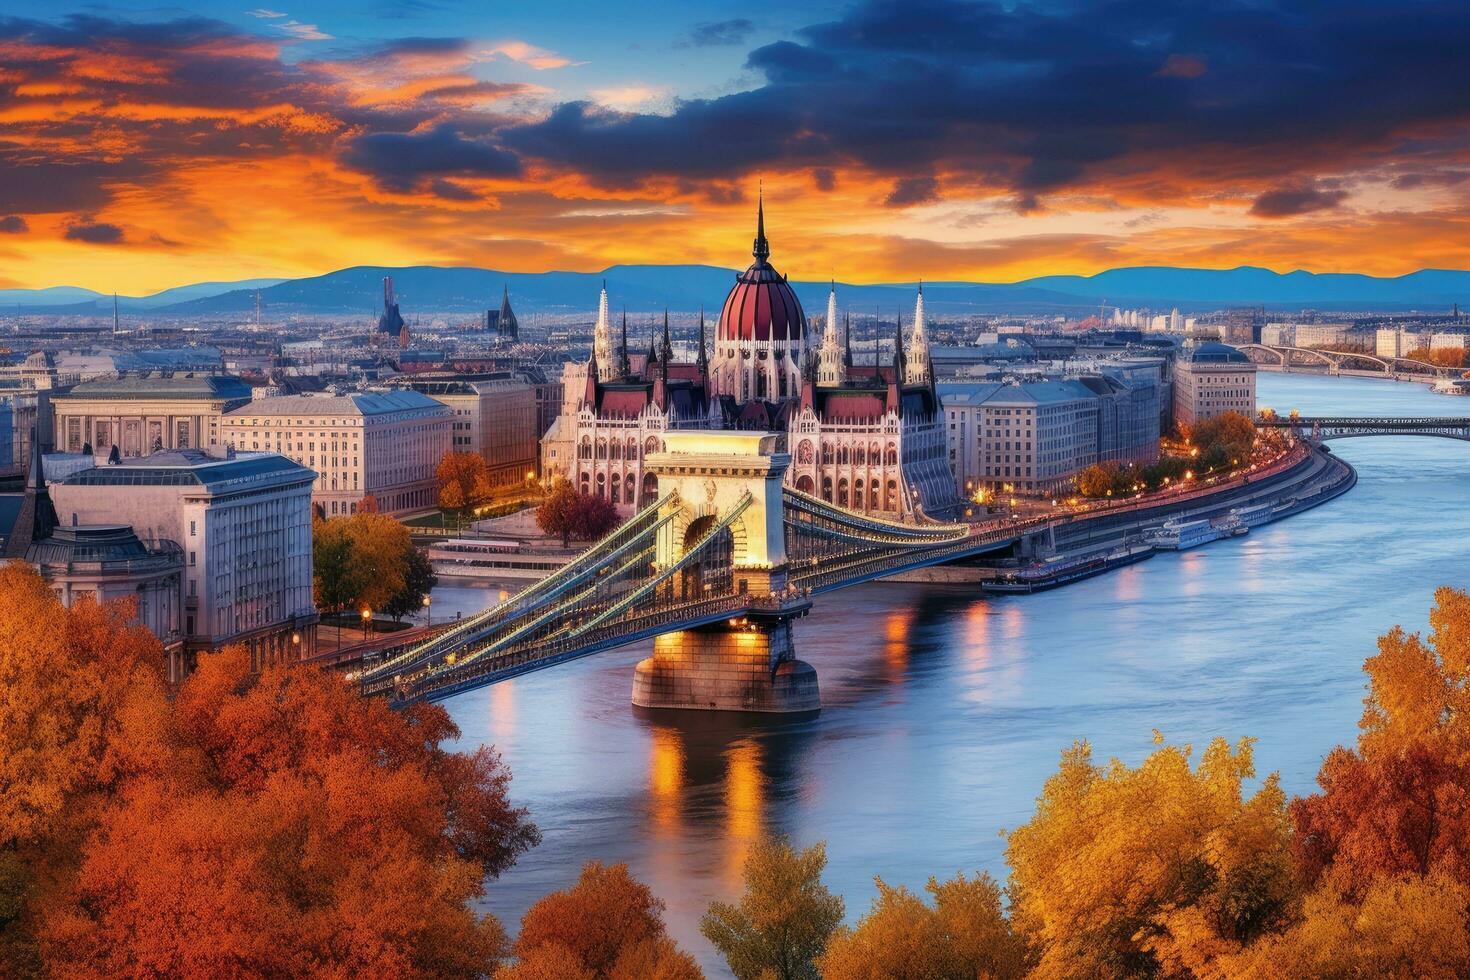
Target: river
{"type": "Point", "coordinates": [945, 712]}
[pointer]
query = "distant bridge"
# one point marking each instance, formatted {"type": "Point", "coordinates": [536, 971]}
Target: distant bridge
{"type": "Point", "coordinates": [1336, 362]}
{"type": "Point", "coordinates": [1322, 428]}
{"type": "Point", "coordinates": [725, 551]}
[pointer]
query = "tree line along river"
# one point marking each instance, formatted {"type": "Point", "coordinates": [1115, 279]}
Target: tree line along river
{"type": "Point", "coordinates": [944, 712]}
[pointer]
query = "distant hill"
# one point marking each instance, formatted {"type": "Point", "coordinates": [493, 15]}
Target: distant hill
{"type": "Point", "coordinates": [75, 299]}
{"type": "Point", "coordinates": [644, 288]}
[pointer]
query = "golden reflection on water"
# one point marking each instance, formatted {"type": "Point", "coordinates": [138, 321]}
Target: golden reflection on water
{"type": "Point", "coordinates": [502, 711]}
{"type": "Point", "coordinates": [977, 635]}
{"type": "Point", "coordinates": [666, 781]}
{"type": "Point", "coordinates": [896, 626]}
{"type": "Point", "coordinates": [745, 802]}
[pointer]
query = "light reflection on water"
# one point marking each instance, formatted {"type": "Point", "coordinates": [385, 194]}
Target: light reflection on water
{"type": "Point", "coordinates": [944, 713]}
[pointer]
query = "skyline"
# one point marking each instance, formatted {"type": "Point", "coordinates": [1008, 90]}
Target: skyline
{"type": "Point", "coordinates": [144, 148]}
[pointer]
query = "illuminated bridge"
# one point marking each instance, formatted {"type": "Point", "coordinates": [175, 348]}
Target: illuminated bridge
{"type": "Point", "coordinates": [716, 569]}
{"type": "Point", "coordinates": [1322, 428]}
{"type": "Point", "coordinates": [1337, 362]}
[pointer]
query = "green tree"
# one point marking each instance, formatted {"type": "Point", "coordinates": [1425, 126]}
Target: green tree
{"type": "Point", "coordinates": [783, 921]}
{"type": "Point", "coordinates": [361, 560]}
{"type": "Point", "coordinates": [418, 581]}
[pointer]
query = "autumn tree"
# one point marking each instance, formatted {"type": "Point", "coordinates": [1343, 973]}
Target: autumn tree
{"type": "Point", "coordinates": [593, 516]}
{"type": "Point", "coordinates": [608, 926]}
{"type": "Point", "coordinates": [82, 694]}
{"type": "Point", "coordinates": [292, 827]}
{"type": "Point", "coordinates": [418, 581]}
{"type": "Point", "coordinates": [569, 514]}
{"type": "Point", "coordinates": [1224, 440]}
{"type": "Point", "coordinates": [557, 514]}
{"type": "Point", "coordinates": [464, 482]}
{"type": "Point", "coordinates": [367, 560]}
{"type": "Point", "coordinates": [1096, 480]}
{"type": "Point", "coordinates": [963, 934]}
{"type": "Point", "coordinates": [783, 920]}
{"type": "Point", "coordinates": [1400, 803]}
{"type": "Point", "coordinates": [1155, 869]}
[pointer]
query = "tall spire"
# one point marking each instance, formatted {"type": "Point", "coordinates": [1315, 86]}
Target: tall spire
{"type": "Point", "coordinates": [830, 358]}
{"type": "Point", "coordinates": [899, 369]}
{"type": "Point", "coordinates": [703, 361]}
{"type": "Point", "coordinates": [666, 352]}
{"type": "Point", "coordinates": [625, 366]}
{"type": "Point", "coordinates": [918, 361]}
{"type": "Point", "coordinates": [602, 353]}
{"type": "Point", "coordinates": [114, 313]}
{"type": "Point", "coordinates": [847, 337]}
{"type": "Point", "coordinates": [652, 348]}
{"type": "Point", "coordinates": [762, 249]}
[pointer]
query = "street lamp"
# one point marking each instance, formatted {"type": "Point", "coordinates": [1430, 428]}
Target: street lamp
{"type": "Point", "coordinates": [429, 610]}
{"type": "Point", "coordinates": [367, 617]}
{"type": "Point", "coordinates": [296, 646]}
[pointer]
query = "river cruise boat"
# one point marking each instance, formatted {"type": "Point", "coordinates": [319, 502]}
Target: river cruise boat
{"type": "Point", "coordinates": [1059, 570]}
{"type": "Point", "coordinates": [1180, 534]}
{"type": "Point", "coordinates": [492, 560]}
{"type": "Point", "coordinates": [1451, 386]}
{"type": "Point", "coordinates": [1254, 515]}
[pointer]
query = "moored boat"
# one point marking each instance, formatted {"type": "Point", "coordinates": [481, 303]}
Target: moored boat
{"type": "Point", "coordinates": [1060, 570]}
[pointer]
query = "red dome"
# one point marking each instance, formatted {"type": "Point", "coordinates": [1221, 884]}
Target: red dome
{"type": "Point", "coordinates": [761, 305]}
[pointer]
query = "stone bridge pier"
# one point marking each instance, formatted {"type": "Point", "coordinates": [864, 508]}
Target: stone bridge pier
{"type": "Point", "coordinates": [747, 662]}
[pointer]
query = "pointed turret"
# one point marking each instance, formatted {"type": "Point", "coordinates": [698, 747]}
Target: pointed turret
{"type": "Point", "coordinates": [918, 353]}
{"type": "Point", "coordinates": [508, 327]}
{"type": "Point", "coordinates": [703, 360]}
{"type": "Point", "coordinates": [847, 339]}
{"type": "Point", "coordinates": [829, 362]}
{"type": "Point", "coordinates": [666, 351]}
{"type": "Point", "coordinates": [762, 248]}
{"type": "Point", "coordinates": [602, 352]}
{"type": "Point", "coordinates": [625, 365]}
{"type": "Point", "coordinates": [37, 516]}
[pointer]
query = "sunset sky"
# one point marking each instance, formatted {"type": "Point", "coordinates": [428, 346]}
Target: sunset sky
{"type": "Point", "coordinates": [144, 146]}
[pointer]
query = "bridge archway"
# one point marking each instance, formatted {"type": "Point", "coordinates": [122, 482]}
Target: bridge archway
{"type": "Point", "coordinates": [730, 478]}
{"type": "Point", "coordinates": [709, 572]}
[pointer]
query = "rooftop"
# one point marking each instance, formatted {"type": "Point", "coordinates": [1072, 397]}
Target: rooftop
{"type": "Point", "coordinates": [152, 386]}
{"type": "Point", "coordinates": [195, 467]}
{"type": "Point", "coordinates": [362, 403]}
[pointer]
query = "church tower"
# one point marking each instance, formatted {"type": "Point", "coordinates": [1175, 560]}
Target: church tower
{"type": "Point", "coordinates": [917, 367]}
{"type": "Point", "coordinates": [602, 349]}
{"type": "Point", "coordinates": [830, 368]}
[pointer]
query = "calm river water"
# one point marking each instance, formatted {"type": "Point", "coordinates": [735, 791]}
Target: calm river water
{"type": "Point", "coordinates": [945, 712]}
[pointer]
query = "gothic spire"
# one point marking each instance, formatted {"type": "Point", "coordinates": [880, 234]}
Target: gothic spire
{"type": "Point", "coordinates": [703, 358]}
{"type": "Point", "coordinates": [625, 366]}
{"type": "Point", "coordinates": [667, 351]}
{"type": "Point", "coordinates": [847, 337]}
{"type": "Point", "coordinates": [762, 248]}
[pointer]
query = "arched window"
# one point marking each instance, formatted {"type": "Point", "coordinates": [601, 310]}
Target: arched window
{"type": "Point", "coordinates": [827, 489]}
{"type": "Point", "coordinates": [857, 455]}
{"type": "Point", "coordinates": [602, 449]}
{"type": "Point", "coordinates": [873, 496]}
{"type": "Point", "coordinates": [842, 493]}
{"type": "Point", "coordinates": [804, 451]}
{"type": "Point", "coordinates": [650, 445]}
{"type": "Point", "coordinates": [615, 450]}
{"type": "Point", "coordinates": [827, 453]}
{"type": "Point", "coordinates": [615, 487]}
{"type": "Point", "coordinates": [892, 455]}
{"type": "Point", "coordinates": [584, 451]}
{"type": "Point", "coordinates": [891, 501]}
{"type": "Point", "coordinates": [650, 487]}
{"type": "Point", "coordinates": [804, 484]}
{"type": "Point", "coordinates": [632, 447]}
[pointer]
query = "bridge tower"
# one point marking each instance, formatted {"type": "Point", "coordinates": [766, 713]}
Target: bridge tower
{"type": "Point", "coordinates": [728, 487]}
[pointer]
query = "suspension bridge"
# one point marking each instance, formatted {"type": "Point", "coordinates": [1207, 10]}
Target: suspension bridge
{"type": "Point", "coordinates": [1322, 428]}
{"type": "Point", "coordinates": [716, 569]}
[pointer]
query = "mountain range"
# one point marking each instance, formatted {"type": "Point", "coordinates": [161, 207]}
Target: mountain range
{"type": "Point", "coordinates": [434, 289]}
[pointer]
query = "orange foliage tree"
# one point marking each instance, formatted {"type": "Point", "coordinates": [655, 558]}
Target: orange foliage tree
{"type": "Point", "coordinates": [608, 926]}
{"type": "Point", "coordinates": [258, 824]}
{"type": "Point", "coordinates": [464, 482]}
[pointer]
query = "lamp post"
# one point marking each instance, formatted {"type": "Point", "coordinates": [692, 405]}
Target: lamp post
{"type": "Point", "coordinates": [296, 646]}
{"type": "Point", "coordinates": [429, 610]}
{"type": "Point", "coordinates": [367, 617]}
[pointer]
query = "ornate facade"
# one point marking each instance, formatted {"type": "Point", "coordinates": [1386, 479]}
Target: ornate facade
{"type": "Point", "coordinates": [871, 439]}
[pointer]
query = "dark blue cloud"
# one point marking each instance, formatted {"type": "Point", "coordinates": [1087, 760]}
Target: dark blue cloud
{"type": "Point", "coordinates": [400, 161]}
{"type": "Point", "coordinates": [95, 232]}
{"type": "Point", "coordinates": [1040, 97]}
{"type": "Point", "coordinates": [1283, 202]}
{"type": "Point", "coordinates": [14, 224]}
{"type": "Point", "coordinates": [718, 33]}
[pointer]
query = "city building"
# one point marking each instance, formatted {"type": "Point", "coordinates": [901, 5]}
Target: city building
{"type": "Point", "coordinates": [869, 438]}
{"type": "Point", "coordinates": [494, 418]}
{"type": "Point", "coordinates": [242, 527]}
{"type": "Point", "coordinates": [1210, 380]}
{"type": "Point", "coordinates": [386, 444]}
{"type": "Point", "coordinates": [1305, 334]}
{"type": "Point", "coordinates": [1034, 437]}
{"type": "Point", "coordinates": [141, 414]}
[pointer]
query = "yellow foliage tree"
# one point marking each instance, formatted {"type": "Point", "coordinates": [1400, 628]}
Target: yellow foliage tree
{"type": "Point", "coordinates": [1160, 868]}
{"type": "Point", "coordinates": [963, 934]}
